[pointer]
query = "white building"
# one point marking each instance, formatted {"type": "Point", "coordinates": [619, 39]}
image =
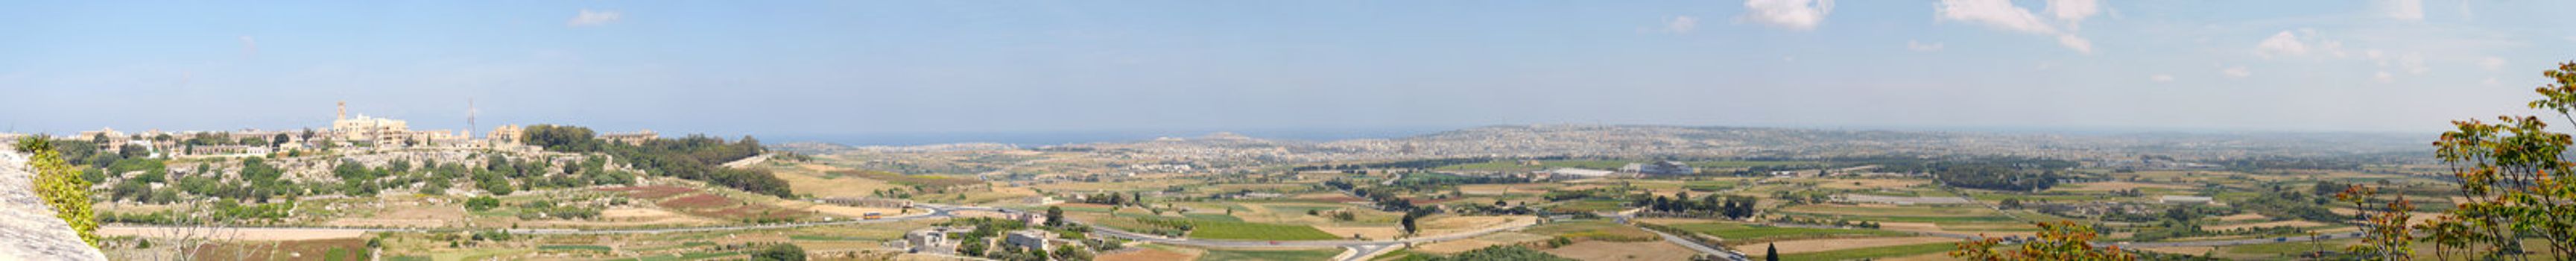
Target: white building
{"type": "Point", "coordinates": [1028, 239]}
{"type": "Point", "coordinates": [1575, 173]}
{"type": "Point", "coordinates": [2173, 199]}
{"type": "Point", "coordinates": [1660, 168]}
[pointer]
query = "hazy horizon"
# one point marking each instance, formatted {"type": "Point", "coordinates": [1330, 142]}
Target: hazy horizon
{"type": "Point", "coordinates": [943, 68]}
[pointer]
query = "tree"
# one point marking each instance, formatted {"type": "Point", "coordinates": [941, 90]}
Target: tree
{"type": "Point", "coordinates": [1408, 223]}
{"type": "Point", "coordinates": [1055, 216]}
{"type": "Point", "coordinates": [780, 252]}
{"type": "Point", "coordinates": [2507, 189]}
{"type": "Point", "coordinates": [1770, 252]}
{"type": "Point", "coordinates": [2063, 240]}
{"type": "Point", "coordinates": [482, 203]}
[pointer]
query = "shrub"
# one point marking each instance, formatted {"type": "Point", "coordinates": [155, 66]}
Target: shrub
{"type": "Point", "coordinates": [781, 252]}
{"type": "Point", "coordinates": [61, 187]}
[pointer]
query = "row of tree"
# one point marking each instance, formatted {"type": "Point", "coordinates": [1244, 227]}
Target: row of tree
{"type": "Point", "coordinates": [695, 157]}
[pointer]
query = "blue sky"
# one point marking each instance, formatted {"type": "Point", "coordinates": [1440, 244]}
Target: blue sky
{"type": "Point", "coordinates": [860, 67]}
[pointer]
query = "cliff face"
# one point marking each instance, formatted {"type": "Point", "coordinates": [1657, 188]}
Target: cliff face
{"type": "Point", "coordinates": [28, 228]}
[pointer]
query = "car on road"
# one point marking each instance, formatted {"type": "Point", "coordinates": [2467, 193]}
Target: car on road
{"type": "Point", "coordinates": [2280, 239]}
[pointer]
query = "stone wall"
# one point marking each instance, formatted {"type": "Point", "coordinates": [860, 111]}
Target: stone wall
{"type": "Point", "coordinates": [28, 228]}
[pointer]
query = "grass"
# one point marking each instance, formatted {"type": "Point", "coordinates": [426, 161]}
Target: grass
{"type": "Point", "coordinates": [687, 256]}
{"type": "Point", "coordinates": [681, 245]}
{"type": "Point", "coordinates": [574, 247]}
{"type": "Point", "coordinates": [474, 254]}
{"type": "Point", "coordinates": [1282, 255]}
{"type": "Point", "coordinates": [908, 180]}
{"type": "Point", "coordinates": [1742, 233]}
{"type": "Point", "coordinates": [1593, 229]}
{"type": "Point", "coordinates": [1609, 164]}
{"type": "Point", "coordinates": [1256, 231]}
{"type": "Point", "coordinates": [1587, 206]}
{"type": "Point", "coordinates": [1213, 217]}
{"type": "Point", "coordinates": [1874, 252]}
{"type": "Point", "coordinates": [1937, 220]}
{"type": "Point", "coordinates": [825, 238]}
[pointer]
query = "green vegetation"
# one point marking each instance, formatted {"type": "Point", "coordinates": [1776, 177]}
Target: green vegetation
{"type": "Point", "coordinates": [1492, 253]}
{"type": "Point", "coordinates": [1276, 255]}
{"type": "Point", "coordinates": [574, 247]}
{"type": "Point", "coordinates": [695, 157]}
{"type": "Point", "coordinates": [1751, 233]}
{"type": "Point", "coordinates": [1594, 230]}
{"type": "Point", "coordinates": [1994, 174]}
{"type": "Point", "coordinates": [1207, 229]}
{"type": "Point", "coordinates": [61, 187]}
{"type": "Point", "coordinates": [1872, 253]}
{"type": "Point", "coordinates": [481, 203]}
{"type": "Point", "coordinates": [2513, 175]}
{"type": "Point", "coordinates": [916, 181]}
{"type": "Point", "coordinates": [780, 252]}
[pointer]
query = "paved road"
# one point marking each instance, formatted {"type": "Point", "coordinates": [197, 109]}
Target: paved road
{"type": "Point", "coordinates": [1694, 245]}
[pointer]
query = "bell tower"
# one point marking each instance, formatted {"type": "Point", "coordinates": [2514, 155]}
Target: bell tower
{"type": "Point", "coordinates": [344, 111]}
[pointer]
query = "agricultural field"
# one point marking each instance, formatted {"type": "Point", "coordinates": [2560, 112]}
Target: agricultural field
{"type": "Point", "coordinates": [1869, 253]}
{"type": "Point", "coordinates": [1269, 255]}
{"type": "Point", "coordinates": [1740, 235]}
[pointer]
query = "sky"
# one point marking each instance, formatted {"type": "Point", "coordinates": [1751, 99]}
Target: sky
{"type": "Point", "coordinates": [806, 68]}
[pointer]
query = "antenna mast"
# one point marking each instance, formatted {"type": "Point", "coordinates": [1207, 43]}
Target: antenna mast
{"type": "Point", "coordinates": [469, 116]}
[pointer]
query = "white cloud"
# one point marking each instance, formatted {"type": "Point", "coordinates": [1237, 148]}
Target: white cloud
{"type": "Point", "coordinates": [1681, 24]}
{"type": "Point", "coordinates": [2403, 10]}
{"type": "Point", "coordinates": [2333, 47]}
{"type": "Point", "coordinates": [1920, 47]}
{"type": "Point", "coordinates": [2490, 81]}
{"type": "Point", "coordinates": [2161, 78]}
{"type": "Point", "coordinates": [249, 46]}
{"type": "Point", "coordinates": [2078, 43]}
{"type": "Point", "coordinates": [2384, 77]}
{"type": "Point", "coordinates": [1790, 14]}
{"type": "Point", "coordinates": [2413, 63]}
{"type": "Point", "coordinates": [2492, 63]}
{"type": "Point", "coordinates": [2000, 14]}
{"type": "Point", "coordinates": [2074, 11]}
{"type": "Point", "coordinates": [2237, 72]}
{"type": "Point", "coordinates": [2281, 44]}
{"type": "Point", "coordinates": [594, 18]}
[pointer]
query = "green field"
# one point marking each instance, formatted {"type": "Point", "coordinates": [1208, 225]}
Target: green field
{"type": "Point", "coordinates": [574, 247]}
{"type": "Point", "coordinates": [1213, 217]}
{"type": "Point", "coordinates": [1280, 255]}
{"type": "Point", "coordinates": [1610, 164]}
{"type": "Point", "coordinates": [1740, 232]}
{"type": "Point", "coordinates": [1206, 229]}
{"type": "Point", "coordinates": [1587, 206]}
{"type": "Point", "coordinates": [908, 180]}
{"type": "Point", "coordinates": [1592, 229]}
{"type": "Point", "coordinates": [688, 256]}
{"type": "Point", "coordinates": [1873, 253]}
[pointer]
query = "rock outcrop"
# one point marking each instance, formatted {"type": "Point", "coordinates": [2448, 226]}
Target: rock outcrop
{"type": "Point", "coordinates": [28, 228]}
